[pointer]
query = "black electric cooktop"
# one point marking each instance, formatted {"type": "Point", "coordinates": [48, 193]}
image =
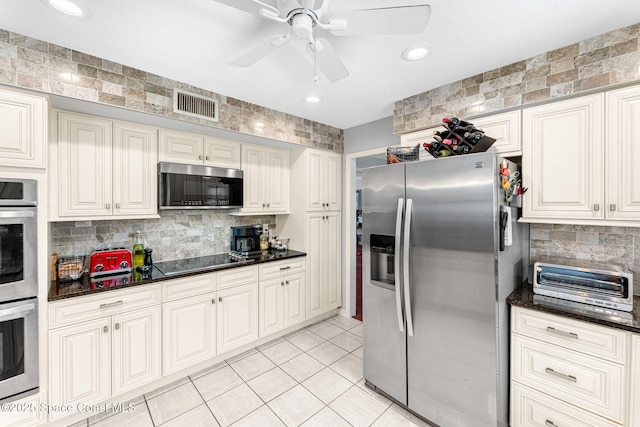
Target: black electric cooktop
{"type": "Point", "coordinates": [188, 265]}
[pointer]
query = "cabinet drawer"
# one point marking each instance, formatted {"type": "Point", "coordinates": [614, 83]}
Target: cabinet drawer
{"type": "Point", "coordinates": [587, 382]}
{"type": "Point", "coordinates": [598, 341]}
{"type": "Point", "coordinates": [237, 276]}
{"type": "Point", "coordinates": [75, 310]}
{"type": "Point", "coordinates": [188, 286]}
{"type": "Point", "coordinates": [25, 412]}
{"type": "Point", "coordinates": [530, 408]}
{"type": "Point", "coordinates": [278, 268]}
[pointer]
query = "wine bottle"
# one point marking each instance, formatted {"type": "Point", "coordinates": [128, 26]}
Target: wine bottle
{"type": "Point", "coordinates": [474, 136]}
{"type": "Point", "coordinates": [138, 255]}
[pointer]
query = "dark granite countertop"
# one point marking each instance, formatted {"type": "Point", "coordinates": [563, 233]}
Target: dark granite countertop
{"type": "Point", "coordinates": [523, 296]}
{"type": "Point", "coordinates": [85, 286]}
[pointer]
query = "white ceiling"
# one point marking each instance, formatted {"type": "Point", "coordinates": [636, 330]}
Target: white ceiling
{"type": "Point", "coordinates": [193, 41]}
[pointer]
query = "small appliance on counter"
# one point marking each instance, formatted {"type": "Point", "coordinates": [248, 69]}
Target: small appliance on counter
{"type": "Point", "coordinates": [245, 240]}
{"type": "Point", "coordinates": [110, 261]}
{"type": "Point", "coordinates": [608, 285]}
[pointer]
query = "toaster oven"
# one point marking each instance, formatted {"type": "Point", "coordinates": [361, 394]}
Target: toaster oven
{"type": "Point", "coordinates": [600, 284]}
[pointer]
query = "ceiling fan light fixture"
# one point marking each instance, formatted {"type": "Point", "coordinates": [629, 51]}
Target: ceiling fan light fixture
{"type": "Point", "coordinates": [416, 53]}
{"type": "Point", "coordinates": [67, 7]}
{"type": "Point", "coordinates": [312, 99]}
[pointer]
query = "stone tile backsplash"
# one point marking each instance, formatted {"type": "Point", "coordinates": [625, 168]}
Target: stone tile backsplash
{"type": "Point", "coordinates": [35, 64]}
{"type": "Point", "coordinates": [588, 242]}
{"type": "Point", "coordinates": [175, 235]}
{"type": "Point", "coordinates": [608, 59]}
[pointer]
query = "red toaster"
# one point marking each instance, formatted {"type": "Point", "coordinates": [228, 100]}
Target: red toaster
{"type": "Point", "coordinates": [110, 261]}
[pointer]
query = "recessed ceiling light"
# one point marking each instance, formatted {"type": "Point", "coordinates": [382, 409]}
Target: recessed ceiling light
{"type": "Point", "coordinates": [312, 99]}
{"type": "Point", "coordinates": [416, 53]}
{"type": "Point", "coordinates": [65, 6]}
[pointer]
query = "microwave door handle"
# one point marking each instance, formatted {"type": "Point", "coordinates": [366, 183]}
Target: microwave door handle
{"type": "Point", "coordinates": [396, 264]}
{"type": "Point", "coordinates": [405, 265]}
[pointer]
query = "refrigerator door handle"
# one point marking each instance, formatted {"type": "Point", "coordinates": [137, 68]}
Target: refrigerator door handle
{"type": "Point", "coordinates": [405, 261]}
{"type": "Point", "coordinates": [396, 264]}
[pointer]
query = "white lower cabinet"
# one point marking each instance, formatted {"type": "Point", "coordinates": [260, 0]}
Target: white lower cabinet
{"type": "Point", "coordinates": [534, 409]}
{"type": "Point", "coordinates": [565, 372]}
{"type": "Point", "coordinates": [634, 398]}
{"type": "Point", "coordinates": [189, 329]}
{"type": "Point", "coordinates": [237, 316]}
{"type": "Point", "coordinates": [282, 296]}
{"type": "Point", "coordinates": [324, 290]}
{"type": "Point", "coordinates": [112, 348]}
{"type": "Point", "coordinates": [94, 360]}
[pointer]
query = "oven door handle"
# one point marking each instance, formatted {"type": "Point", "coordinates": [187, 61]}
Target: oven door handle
{"type": "Point", "coordinates": [17, 310]}
{"type": "Point", "coordinates": [17, 214]}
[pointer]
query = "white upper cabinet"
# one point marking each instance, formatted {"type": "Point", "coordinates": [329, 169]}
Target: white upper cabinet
{"type": "Point", "coordinates": [622, 153]}
{"type": "Point", "coordinates": [102, 169]}
{"type": "Point", "coordinates": [323, 180]}
{"type": "Point", "coordinates": [266, 180]}
{"type": "Point", "coordinates": [563, 159]}
{"type": "Point", "coordinates": [23, 120]}
{"type": "Point", "coordinates": [194, 149]}
{"type": "Point", "coordinates": [505, 129]}
{"type": "Point", "coordinates": [84, 164]}
{"type": "Point", "coordinates": [580, 159]}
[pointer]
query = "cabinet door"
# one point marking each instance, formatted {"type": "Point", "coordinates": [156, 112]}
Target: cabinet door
{"type": "Point", "coordinates": [23, 120]}
{"type": "Point", "coordinates": [221, 153]}
{"type": "Point", "coordinates": [315, 197]}
{"type": "Point", "coordinates": [189, 332]}
{"type": "Point", "coordinates": [418, 138]}
{"type": "Point", "coordinates": [277, 181]}
{"type": "Point", "coordinates": [137, 349]}
{"type": "Point", "coordinates": [562, 161]}
{"type": "Point", "coordinates": [623, 154]}
{"type": "Point", "coordinates": [253, 166]}
{"type": "Point", "coordinates": [84, 165]}
{"type": "Point", "coordinates": [237, 317]}
{"type": "Point", "coordinates": [331, 261]}
{"type": "Point", "coordinates": [135, 175]}
{"type": "Point", "coordinates": [271, 310]}
{"type": "Point", "coordinates": [315, 229]}
{"type": "Point", "coordinates": [294, 299]}
{"type": "Point", "coordinates": [505, 128]}
{"type": "Point", "coordinates": [333, 180]}
{"type": "Point", "coordinates": [634, 398]}
{"type": "Point", "coordinates": [80, 364]}
{"type": "Point", "coordinates": [180, 147]}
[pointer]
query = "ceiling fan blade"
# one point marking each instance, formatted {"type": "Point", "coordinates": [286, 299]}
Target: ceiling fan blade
{"type": "Point", "coordinates": [328, 60]}
{"type": "Point", "coordinates": [265, 48]}
{"type": "Point", "coordinates": [393, 20]}
{"type": "Point", "coordinates": [251, 6]}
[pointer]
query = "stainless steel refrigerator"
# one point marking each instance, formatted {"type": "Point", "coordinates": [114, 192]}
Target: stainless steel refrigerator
{"type": "Point", "coordinates": [435, 281]}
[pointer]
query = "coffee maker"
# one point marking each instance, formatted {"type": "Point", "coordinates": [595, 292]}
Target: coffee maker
{"type": "Point", "coordinates": [245, 239]}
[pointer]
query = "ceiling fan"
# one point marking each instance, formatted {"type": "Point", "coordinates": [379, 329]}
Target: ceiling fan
{"type": "Point", "coordinates": [339, 18]}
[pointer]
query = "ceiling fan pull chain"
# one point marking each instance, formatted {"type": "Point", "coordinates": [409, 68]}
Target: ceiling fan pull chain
{"type": "Point", "coordinates": [315, 67]}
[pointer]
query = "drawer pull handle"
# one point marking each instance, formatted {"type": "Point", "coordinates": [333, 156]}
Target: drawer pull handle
{"type": "Point", "coordinates": [285, 268]}
{"type": "Point", "coordinates": [281, 283]}
{"type": "Point", "coordinates": [117, 326]}
{"type": "Point", "coordinates": [561, 375]}
{"type": "Point", "coordinates": [213, 301]}
{"type": "Point", "coordinates": [105, 329]}
{"type": "Point", "coordinates": [550, 423]}
{"type": "Point", "coordinates": [111, 304]}
{"type": "Point", "coordinates": [561, 332]}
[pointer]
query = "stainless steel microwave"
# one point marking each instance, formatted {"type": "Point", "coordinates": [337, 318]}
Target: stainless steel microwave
{"type": "Point", "coordinates": [198, 187]}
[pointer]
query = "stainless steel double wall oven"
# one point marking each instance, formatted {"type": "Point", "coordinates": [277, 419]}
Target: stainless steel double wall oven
{"type": "Point", "coordinates": [18, 289]}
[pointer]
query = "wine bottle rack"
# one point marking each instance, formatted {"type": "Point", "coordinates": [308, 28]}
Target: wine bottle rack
{"type": "Point", "coordinates": [459, 143]}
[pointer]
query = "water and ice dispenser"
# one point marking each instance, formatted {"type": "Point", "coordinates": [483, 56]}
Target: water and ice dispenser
{"type": "Point", "coordinates": [383, 260]}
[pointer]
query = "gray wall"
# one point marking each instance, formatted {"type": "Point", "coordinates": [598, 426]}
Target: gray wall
{"type": "Point", "coordinates": [370, 135]}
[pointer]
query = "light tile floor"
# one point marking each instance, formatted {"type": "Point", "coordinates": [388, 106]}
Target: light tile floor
{"type": "Point", "coordinates": [311, 377]}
